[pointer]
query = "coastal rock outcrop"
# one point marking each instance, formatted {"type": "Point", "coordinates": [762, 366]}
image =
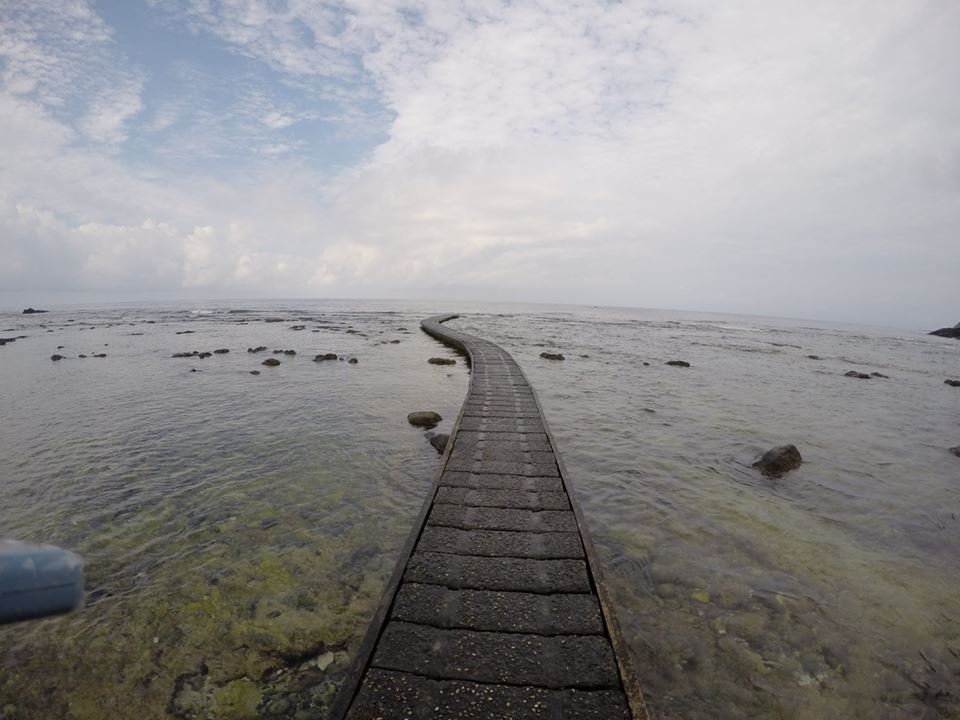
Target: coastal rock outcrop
{"type": "Point", "coordinates": [270, 362]}
{"type": "Point", "coordinates": [439, 441]}
{"type": "Point", "coordinates": [776, 461]}
{"type": "Point", "coordinates": [678, 363]}
{"type": "Point", "coordinates": [424, 418]}
{"type": "Point", "coordinates": [856, 374]}
{"type": "Point", "coordinates": [441, 361]}
{"type": "Point", "coordinates": [953, 332]}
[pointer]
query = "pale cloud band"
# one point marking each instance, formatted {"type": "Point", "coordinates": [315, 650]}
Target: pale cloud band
{"type": "Point", "coordinates": [768, 157]}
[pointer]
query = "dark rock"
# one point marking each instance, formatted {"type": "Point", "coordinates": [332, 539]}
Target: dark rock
{"type": "Point", "coordinates": [325, 356]}
{"type": "Point", "coordinates": [855, 374]}
{"type": "Point", "coordinates": [185, 354]}
{"type": "Point", "coordinates": [271, 362]}
{"type": "Point", "coordinates": [273, 320]}
{"type": "Point", "coordinates": [99, 355]}
{"type": "Point", "coordinates": [776, 461]}
{"type": "Point", "coordinates": [678, 363]}
{"type": "Point", "coordinates": [204, 355]}
{"type": "Point", "coordinates": [221, 351]}
{"type": "Point", "coordinates": [552, 356]}
{"type": "Point", "coordinates": [55, 357]}
{"type": "Point", "coordinates": [186, 332]}
{"type": "Point", "coordinates": [31, 311]}
{"type": "Point", "coordinates": [955, 450]}
{"type": "Point", "coordinates": [289, 352]}
{"type": "Point", "coordinates": [438, 440]}
{"type": "Point", "coordinates": [813, 357]}
{"type": "Point", "coordinates": [278, 352]}
{"type": "Point", "coordinates": [254, 372]}
{"type": "Point", "coordinates": [194, 370]}
{"type": "Point", "coordinates": [424, 418]}
{"type": "Point", "coordinates": [261, 348]}
{"type": "Point", "coordinates": [646, 363]}
{"type": "Point", "coordinates": [59, 347]}
{"type": "Point", "coordinates": [353, 361]}
{"type": "Point", "coordinates": [394, 342]}
{"type": "Point", "coordinates": [879, 375]}
{"type": "Point", "coordinates": [351, 331]}
{"type": "Point", "coordinates": [953, 332]}
{"type": "Point", "coordinates": [952, 383]}
{"type": "Point", "coordinates": [441, 361]}
{"type": "Point", "coordinates": [298, 327]}
{"type": "Point", "coordinates": [82, 357]}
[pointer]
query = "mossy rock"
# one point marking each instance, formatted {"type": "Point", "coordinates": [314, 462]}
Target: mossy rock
{"type": "Point", "coordinates": [237, 700]}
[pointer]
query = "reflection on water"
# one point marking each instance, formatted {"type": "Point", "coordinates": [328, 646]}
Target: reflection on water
{"type": "Point", "coordinates": [239, 528]}
{"type": "Point", "coordinates": [831, 593]}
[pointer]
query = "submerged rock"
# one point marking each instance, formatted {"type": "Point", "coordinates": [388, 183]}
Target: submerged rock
{"type": "Point", "coordinates": [552, 356]}
{"type": "Point", "coordinates": [438, 440]}
{"type": "Point", "coordinates": [31, 311]}
{"type": "Point", "coordinates": [254, 372]}
{"type": "Point", "coordinates": [82, 356]}
{"type": "Point", "coordinates": [856, 374]}
{"type": "Point", "coordinates": [289, 352]}
{"type": "Point", "coordinates": [271, 362]}
{"type": "Point", "coordinates": [260, 348]}
{"type": "Point", "coordinates": [678, 363]}
{"type": "Point", "coordinates": [185, 354]}
{"type": "Point", "coordinates": [298, 327]}
{"type": "Point", "coordinates": [424, 418]}
{"type": "Point", "coordinates": [221, 351]}
{"type": "Point", "coordinates": [953, 332]}
{"type": "Point", "coordinates": [952, 383]}
{"type": "Point", "coordinates": [353, 361]}
{"type": "Point", "coordinates": [955, 450]}
{"type": "Point", "coordinates": [103, 355]}
{"type": "Point", "coordinates": [185, 332]}
{"type": "Point", "coordinates": [879, 375]}
{"type": "Point", "coordinates": [776, 461]}
{"type": "Point", "coordinates": [204, 355]}
{"type": "Point", "coordinates": [57, 357]}
{"type": "Point", "coordinates": [814, 357]}
{"type": "Point", "coordinates": [324, 356]}
{"type": "Point", "coordinates": [441, 361]}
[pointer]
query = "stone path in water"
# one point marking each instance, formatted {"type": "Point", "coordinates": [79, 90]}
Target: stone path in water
{"type": "Point", "coordinates": [496, 608]}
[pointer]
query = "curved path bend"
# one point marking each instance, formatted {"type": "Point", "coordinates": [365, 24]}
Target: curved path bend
{"type": "Point", "coordinates": [497, 608]}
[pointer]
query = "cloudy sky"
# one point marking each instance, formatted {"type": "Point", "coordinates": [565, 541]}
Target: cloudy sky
{"type": "Point", "coordinates": [780, 157]}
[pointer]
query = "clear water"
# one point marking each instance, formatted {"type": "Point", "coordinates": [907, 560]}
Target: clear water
{"type": "Point", "coordinates": [239, 529]}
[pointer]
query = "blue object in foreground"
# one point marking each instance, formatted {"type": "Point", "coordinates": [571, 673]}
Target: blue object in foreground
{"type": "Point", "coordinates": [37, 581]}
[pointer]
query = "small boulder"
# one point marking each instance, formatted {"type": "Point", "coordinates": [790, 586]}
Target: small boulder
{"type": "Point", "coordinates": [776, 461]}
{"type": "Point", "coordinates": [879, 375]}
{"type": "Point", "coordinates": [261, 348]}
{"type": "Point", "coordinates": [31, 311]}
{"type": "Point", "coordinates": [324, 356]}
{"type": "Point", "coordinates": [55, 357]}
{"type": "Point", "coordinates": [814, 357]}
{"type": "Point", "coordinates": [204, 355]}
{"type": "Point", "coordinates": [424, 418]}
{"type": "Point", "coordinates": [100, 355]}
{"type": "Point", "coordinates": [254, 372]}
{"type": "Point", "coordinates": [552, 356]}
{"type": "Point", "coordinates": [185, 332]}
{"type": "Point", "coordinates": [855, 374]}
{"type": "Point", "coordinates": [952, 383]}
{"type": "Point", "coordinates": [353, 361]}
{"type": "Point", "coordinates": [271, 362]}
{"type": "Point", "coordinates": [289, 352]}
{"type": "Point", "coordinates": [185, 354]}
{"type": "Point", "coordinates": [441, 361]}
{"type": "Point", "coordinates": [298, 327]}
{"type": "Point", "coordinates": [394, 342]}
{"type": "Point", "coordinates": [438, 440]}
{"type": "Point", "coordinates": [955, 450]}
{"type": "Point", "coordinates": [221, 351]}
{"type": "Point", "coordinates": [82, 357]}
{"type": "Point", "coordinates": [678, 363]}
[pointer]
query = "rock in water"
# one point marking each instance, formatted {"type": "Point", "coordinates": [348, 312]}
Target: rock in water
{"type": "Point", "coordinates": [441, 361]}
{"type": "Point", "coordinates": [324, 356]}
{"type": "Point", "coordinates": [956, 450]}
{"type": "Point", "coordinates": [271, 362]}
{"type": "Point", "coordinates": [855, 374]}
{"type": "Point", "coordinates": [254, 372]}
{"type": "Point", "coordinates": [56, 357]}
{"type": "Point", "coordinates": [31, 311]}
{"type": "Point", "coordinates": [678, 363]}
{"type": "Point", "coordinates": [438, 440]}
{"type": "Point", "coordinates": [879, 375]}
{"type": "Point", "coordinates": [353, 361]}
{"type": "Point", "coordinates": [953, 332]}
{"type": "Point", "coordinates": [776, 461]}
{"type": "Point", "coordinates": [221, 351]}
{"type": "Point", "coordinates": [424, 418]}
{"type": "Point", "coordinates": [813, 357]}
{"type": "Point", "coordinates": [952, 383]}
{"type": "Point", "coordinates": [552, 356]}
{"type": "Point", "coordinates": [257, 349]}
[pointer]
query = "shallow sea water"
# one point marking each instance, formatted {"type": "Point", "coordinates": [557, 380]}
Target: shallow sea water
{"type": "Point", "coordinates": [239, 529]}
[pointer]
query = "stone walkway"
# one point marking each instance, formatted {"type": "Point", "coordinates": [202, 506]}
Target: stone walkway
{"type": "Point", "coordinates": [496, 609]}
